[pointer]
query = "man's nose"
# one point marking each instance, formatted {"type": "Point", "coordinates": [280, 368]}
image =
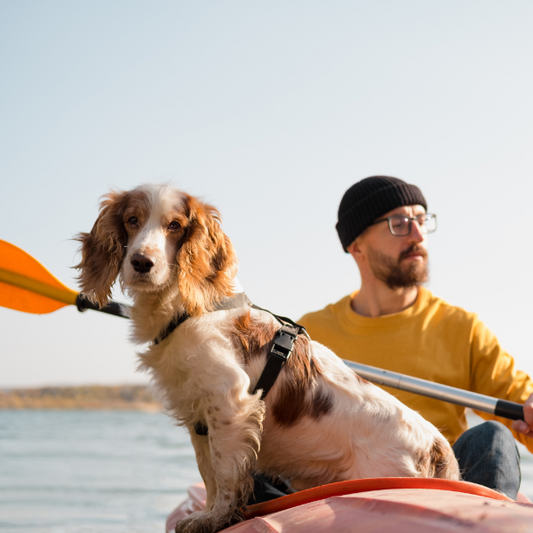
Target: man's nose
{"type": "Point", "coordinates": [141, 263]}
{"type": "Point", "coordinates": [416, 235]}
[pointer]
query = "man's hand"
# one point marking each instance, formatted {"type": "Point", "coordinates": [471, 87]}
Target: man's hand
{"type": "Point", "coordinates": [525, 426]}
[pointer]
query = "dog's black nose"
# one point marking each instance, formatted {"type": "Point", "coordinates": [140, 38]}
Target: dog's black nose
{"type": "Point", "coordinates": [141, 263]}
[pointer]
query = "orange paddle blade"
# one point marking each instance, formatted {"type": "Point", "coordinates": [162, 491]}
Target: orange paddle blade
{"type": "Point", "coordinates": [26, 285]}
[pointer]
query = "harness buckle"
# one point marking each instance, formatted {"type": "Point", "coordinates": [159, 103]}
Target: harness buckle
{"type": "Point", "coordinates": [283, 343]}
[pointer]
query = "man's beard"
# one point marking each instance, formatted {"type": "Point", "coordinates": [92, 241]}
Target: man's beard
{"type": "Point", "coordinates": [394, 274]}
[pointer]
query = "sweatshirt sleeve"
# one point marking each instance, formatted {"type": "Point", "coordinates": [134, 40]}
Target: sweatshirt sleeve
{"type": "Point", "coordinates": [493, 373]}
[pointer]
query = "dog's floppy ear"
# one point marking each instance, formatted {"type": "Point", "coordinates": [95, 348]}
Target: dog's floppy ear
{"type": "Point", "coordinates": [103, 249]}
{"type": "Point", "coordinates": [206, 260]}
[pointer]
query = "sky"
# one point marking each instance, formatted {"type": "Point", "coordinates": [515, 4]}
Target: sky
{"type": "Point", "coordinates": [269, 111]}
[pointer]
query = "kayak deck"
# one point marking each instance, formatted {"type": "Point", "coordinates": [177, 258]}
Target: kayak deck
{"type": "Point", "coordinates": [411, 505]}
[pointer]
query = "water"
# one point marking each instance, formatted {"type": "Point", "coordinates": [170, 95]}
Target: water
{"type": "Point", "coordinates": [101, 471]}
{"type": "Point", "coordinates": [88, 471]}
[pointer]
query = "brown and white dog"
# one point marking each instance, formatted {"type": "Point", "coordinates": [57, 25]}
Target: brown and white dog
{"type": "Point", "coordinates": [319, 424]}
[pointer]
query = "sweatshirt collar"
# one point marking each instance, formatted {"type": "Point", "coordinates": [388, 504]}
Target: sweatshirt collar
{"type": "Point", "coordinates": [385, 320]}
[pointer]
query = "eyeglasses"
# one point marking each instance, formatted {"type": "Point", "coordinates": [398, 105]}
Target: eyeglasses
{"type": "Point", "coordinates": [401, 225]}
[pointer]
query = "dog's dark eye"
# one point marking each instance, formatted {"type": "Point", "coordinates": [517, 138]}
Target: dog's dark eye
{"type": "Point", "coordinates": [174, 225]}
{"type": "Point", "coordinates": [133, 221]}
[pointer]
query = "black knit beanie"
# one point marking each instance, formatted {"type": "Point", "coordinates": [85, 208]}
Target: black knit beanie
{"type": "Point", "coordinates": [370, 198]}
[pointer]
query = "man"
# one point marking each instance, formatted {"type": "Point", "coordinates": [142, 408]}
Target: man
{"type": "Point", "coordinates": [395, 323]}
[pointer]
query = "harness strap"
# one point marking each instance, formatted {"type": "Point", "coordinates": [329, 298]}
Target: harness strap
{"type": "Point", "coordinates": [279, 354]}
{"type": "Point", "coordinates": [176, 321]}
{"type": "Point", "coordinates": [233, 302]}
{"type": "Point", "coordinates": [283, 320]}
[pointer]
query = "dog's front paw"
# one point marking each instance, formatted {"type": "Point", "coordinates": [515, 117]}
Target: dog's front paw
{"type": "Point", "coordinates": [207, 522]}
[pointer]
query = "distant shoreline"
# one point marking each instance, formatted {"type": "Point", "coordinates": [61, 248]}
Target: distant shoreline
{"type": "Point", "coordinates": [98, 397]}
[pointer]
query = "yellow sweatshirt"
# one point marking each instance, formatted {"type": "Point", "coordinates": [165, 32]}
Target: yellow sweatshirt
{"type": "Point", "coordinates": [430, 340]}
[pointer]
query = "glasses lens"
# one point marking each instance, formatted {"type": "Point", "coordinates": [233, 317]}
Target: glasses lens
{"type": "Point", "coordinates": [399, 225]}
{"type": "Point", "coordinates": [427, 222]}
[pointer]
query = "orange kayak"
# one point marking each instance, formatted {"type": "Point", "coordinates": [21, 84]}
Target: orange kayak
{"type": "Point", "coordinates": [401, 505]}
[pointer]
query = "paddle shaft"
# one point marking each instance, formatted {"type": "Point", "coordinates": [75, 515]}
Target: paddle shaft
{"type": "Point", "coordinates": [445, 393]}
{"type": "Point", "coordinates": [112, 308]}
{"type": "Point", "coordinates": [479, 402]}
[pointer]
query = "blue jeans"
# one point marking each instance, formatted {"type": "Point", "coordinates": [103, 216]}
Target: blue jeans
{"type": "Point", "coordinates": [487, 455]}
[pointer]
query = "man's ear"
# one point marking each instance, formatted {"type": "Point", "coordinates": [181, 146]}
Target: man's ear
{"type": "Point", "coordinates": [354, 248]}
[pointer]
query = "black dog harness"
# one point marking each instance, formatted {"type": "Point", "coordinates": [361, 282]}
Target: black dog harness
{"type": "Point", "coordinates": [280, 352]}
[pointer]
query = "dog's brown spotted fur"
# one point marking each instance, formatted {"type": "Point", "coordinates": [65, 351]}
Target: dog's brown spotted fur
{"type": "Point", "coordinates": [298, 394]}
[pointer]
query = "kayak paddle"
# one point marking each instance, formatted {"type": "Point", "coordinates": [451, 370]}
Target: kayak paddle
{"type": "Point", "coordinates": [26, 285]}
